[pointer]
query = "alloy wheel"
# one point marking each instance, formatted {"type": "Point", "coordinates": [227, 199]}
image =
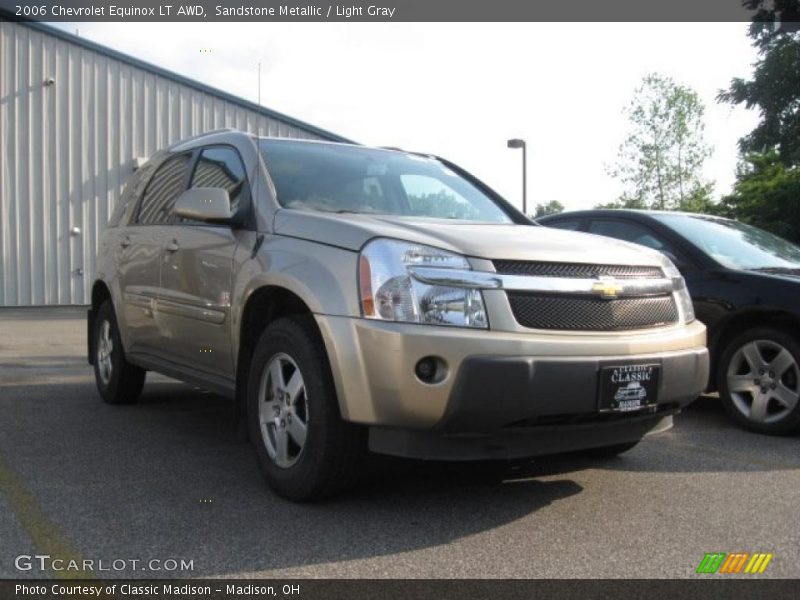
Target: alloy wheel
{"type": "Point", "coordinates": [105, 349]}
{"type": "Point", "coordinates": [283, 410]}
{"type": "Point", "coordinates": [764, 381]}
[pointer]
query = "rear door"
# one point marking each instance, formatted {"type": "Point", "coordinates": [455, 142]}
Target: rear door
{"type": "Point", "coordinates": [194, 309]}
{"type": "Point", "coordinates": [139, 253]}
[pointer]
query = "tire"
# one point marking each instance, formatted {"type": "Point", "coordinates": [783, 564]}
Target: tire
{"type": "Point", "coordinates": [610, 451]}
{"type": "Point", "coordinates": [118, 381]}
{"type": "Point", "coordinates": [304, 449]}
{"type": "Point", "coordinates": [759, 381]}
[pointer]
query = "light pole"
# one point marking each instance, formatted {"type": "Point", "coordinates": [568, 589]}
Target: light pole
{"type": "Point", "coordinates": [517, 143]}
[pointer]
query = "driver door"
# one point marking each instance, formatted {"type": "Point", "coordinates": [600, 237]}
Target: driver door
{"type": "Point", "coordinates": [194, 308]}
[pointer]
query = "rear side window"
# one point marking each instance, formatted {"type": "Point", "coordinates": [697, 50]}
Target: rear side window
{"type": "Point", "coordinates": [164, 188]}
{"type": "Point", "coordinates": [221, 167]}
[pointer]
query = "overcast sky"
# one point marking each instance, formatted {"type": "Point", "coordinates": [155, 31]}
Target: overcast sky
{"type": "Point", "coordinates": [461, 90]}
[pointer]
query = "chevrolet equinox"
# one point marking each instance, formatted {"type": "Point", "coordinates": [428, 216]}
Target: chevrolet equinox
{"type": "Point", "coordinates": [352, 299]}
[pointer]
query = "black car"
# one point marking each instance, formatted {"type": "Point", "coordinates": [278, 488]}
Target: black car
{"type": "Point", "coordinates": [745, 284]}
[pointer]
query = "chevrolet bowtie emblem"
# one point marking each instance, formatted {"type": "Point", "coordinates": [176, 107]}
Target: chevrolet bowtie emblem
{"type": "Point", "coordinates": [607, 288]}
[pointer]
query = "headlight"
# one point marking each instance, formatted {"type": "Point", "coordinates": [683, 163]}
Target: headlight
{"type": "Point", "coordinates": [681, 293]}
{"type": "Point", "coordinates": [390, 293]}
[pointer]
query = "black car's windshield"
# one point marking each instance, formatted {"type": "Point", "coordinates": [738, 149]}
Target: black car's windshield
{"type": "Point", "coordinates": [340, 178]}
{"type": "Point", "coordinates": [735, 245]}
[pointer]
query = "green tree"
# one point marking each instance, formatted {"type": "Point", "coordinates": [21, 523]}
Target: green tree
{"type": "Point", "coordinates": [550, 208]}
{"type": "Point", "coordinates": [624, 202]}
{"type": "Point", "coordinates": [767, 190]}
{"type": "Point", "coordinates": [661, 160]}
{"type": "Point", "coordinates": [767, 195]}
{"type": "Point", "coordinates": [774, 89]}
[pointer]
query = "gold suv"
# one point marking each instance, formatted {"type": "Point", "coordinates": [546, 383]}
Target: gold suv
{"type": "Point", "coordinates": [351, 299]}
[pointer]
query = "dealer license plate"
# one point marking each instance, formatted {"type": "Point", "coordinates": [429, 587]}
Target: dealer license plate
{"type": "Point", "coordinates": [628, 388]}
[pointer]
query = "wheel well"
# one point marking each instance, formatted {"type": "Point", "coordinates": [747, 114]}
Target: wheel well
{"type": "Point", "coordinates": [100, 293]}
{"type": "Point", "coordinates": [740, 323]}
{"type": "Point", "coordinates": [264, 306]}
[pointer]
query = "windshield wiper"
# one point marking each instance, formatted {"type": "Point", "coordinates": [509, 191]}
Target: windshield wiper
{"type": "Point", "coordinates": [347, 211]}
{"type": "Point", "coordinates": [338, 211]}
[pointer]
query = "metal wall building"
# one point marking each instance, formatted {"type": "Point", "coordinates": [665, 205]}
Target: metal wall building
{"type": "Point", "coordinates": [74, 118]}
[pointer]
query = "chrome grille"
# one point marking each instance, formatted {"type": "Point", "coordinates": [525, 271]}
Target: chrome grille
{"type": "Point", "coordinates": [575, 270]}
{"type": "Point", "coordinates": [589, 313]}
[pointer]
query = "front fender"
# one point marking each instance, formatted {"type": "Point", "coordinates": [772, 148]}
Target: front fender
{"type": "Point", "coordinates": [323, 277]}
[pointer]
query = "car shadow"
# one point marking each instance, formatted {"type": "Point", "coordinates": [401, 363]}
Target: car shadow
{"type": "Point", "coordinates": [166, 478]}
{"type": "Point", "coordinates": [702, 439]}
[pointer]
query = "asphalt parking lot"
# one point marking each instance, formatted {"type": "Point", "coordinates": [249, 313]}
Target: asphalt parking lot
{"type": "Point", "coordinates": [167, 479]}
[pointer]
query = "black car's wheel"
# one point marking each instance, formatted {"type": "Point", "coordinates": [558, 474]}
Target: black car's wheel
{"type": "Point", "coordinates": [118, 381]}
{"type": "Point", "coordinates": [304, 448]}
{"type": "Point", "coordinates": [759, 381]}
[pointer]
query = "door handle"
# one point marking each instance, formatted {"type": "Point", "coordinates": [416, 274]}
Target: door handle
{"type": "Point", "coordinates": [172, 246]}
{"type": "Point", "coordinates": [126, 241]}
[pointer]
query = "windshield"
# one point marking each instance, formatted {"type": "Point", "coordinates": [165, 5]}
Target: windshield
{"type": "Point", "coordinates": [338, 178]}
{"type": "Point", "coordinates": [735, 245]}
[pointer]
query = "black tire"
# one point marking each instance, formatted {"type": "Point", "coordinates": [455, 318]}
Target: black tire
{"type": "Point", "coordinates": [124, 385]}
{"type": "Point", "coordinates": [610, 451]}
{"type": "Point", "coordinates": [766, 341]}
{"type": "Point", "coordinates": [333, 452]}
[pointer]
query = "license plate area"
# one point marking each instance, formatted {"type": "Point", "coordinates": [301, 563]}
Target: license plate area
{"type": "Point", "coordinates": [628, 388]}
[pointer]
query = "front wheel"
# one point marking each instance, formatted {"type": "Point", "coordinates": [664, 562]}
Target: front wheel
{"type": "Point", "coordinates": [759, 381]}
{"type": "Point", "coordinates": [304, 448]}
{"type": "Point", "coordinates": [118, 381]}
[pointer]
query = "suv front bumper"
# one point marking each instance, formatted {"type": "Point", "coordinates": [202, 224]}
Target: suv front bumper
{"type": "Point", "coordinates": [505, 394]}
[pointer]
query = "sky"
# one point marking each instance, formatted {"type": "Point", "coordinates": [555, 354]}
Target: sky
{"type": "Point", "coordinates": [460, 90]}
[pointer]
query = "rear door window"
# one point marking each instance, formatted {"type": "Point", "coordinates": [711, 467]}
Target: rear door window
{"type": "Point", "coordinates": [131, 194]}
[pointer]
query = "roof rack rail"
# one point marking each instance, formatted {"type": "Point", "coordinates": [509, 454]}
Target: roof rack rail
{"type": "Point", "coordinates": [202, 135]}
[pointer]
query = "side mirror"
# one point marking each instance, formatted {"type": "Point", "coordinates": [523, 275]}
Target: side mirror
{"type": "Point", "coordinates": [210, 205]}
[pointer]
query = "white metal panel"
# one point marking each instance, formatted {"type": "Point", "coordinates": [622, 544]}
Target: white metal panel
{"type": "Point", "coordinates": [67, 149]}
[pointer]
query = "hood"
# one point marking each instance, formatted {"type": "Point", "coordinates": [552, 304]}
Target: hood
{"type": "Point", "coordinates": [480, 240]}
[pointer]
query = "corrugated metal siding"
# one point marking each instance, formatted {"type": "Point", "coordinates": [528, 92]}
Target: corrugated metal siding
{"type": "Point", "coordinates": [67, 149]}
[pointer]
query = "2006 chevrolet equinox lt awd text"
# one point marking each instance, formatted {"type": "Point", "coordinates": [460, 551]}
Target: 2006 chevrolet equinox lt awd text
{"type": "Point", "coordinates": [354, 299]}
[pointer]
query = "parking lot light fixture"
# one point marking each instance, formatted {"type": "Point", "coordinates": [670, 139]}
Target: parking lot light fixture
{"type": "Point", "coordinates": [518, 143]}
